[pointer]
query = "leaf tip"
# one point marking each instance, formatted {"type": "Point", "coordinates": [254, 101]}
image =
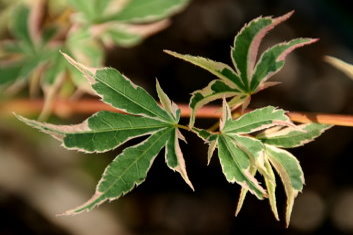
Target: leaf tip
{"type": "Point", "coordinates": [95, 200]}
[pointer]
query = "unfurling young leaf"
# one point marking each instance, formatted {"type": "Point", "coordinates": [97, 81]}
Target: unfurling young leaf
{"type": "Point", "coordinates": [249, 75]}
{"type": "Point", "coordinates": [105, 131]}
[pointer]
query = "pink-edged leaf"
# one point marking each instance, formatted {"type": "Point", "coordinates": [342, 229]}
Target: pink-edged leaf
{"type": "Point", "coordinates": [247, 41]}
{"type": "Point", "coordinates": [272, 60]}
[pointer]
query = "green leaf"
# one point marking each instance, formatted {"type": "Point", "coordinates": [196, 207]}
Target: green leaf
{"type": "Point", "coordinates": [19, 27]}
{"type": "Point", "coordinates": [86, 7]}
{"type": "Point", "coordinates": [215, 90]}
{"type": "Point", "coordinates": [288, 168]}
{"type": "Point", "coordinates": [257, 120]}
{"type": "Point", "coordinates": [270, 182]}
{"type": "Point", "coordinates": [123, 38]}
{"type": "Point", "coordinates": [128, 169]}
{"type": "Point", "coordinates": [101, 132]}
{"type": "Point", "coordinates": [118, 91]}
{"type": "Point", "coordinates": [222, 71]}
{"type": "Point", "coordinates": [246, 79]}
{"type": "Point", "coordinates": [291, 137]}
{"type": "Point", "coordinates": [106, 131]}
{"type": "Point", "coordinates": [142, 11]}
{"type": "Point", "coordinates": [243, 193]}
{"type": "Point", "coordinates": [272, 60]}
{"type": "Point", "coordinates": [9, 75]}
{"type": "Point", "coordinates": [236, 166]}
{"type": "Point", "coordinates": [247, 42]}
{"type": "Point", "coordinates": [174, 157]}
{"type": "Point", "coordinates": [167, 104]}
{"type": "Point", "coordinates": [83, 47]}
{"type": "Point", "coordinates": [56, 67]}
{"type": "Point", "coordinates": [253, 148]}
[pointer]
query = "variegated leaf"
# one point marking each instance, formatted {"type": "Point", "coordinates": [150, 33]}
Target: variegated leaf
{"type": "Point", "coordinates": [215, 90]}
{"type": "Point", "coordinates": [272, 60]}
{"type": "Point", "coordinates": [270, 182]}
{"type": "Point", "coordinates": [247, 78]}
{"type": "Point", "coordinates": [167, 104]}
{"type": "Point", "coordinates": [290, 137]}
{"type": "Point", "coordinates": [174, 157]}
{"type": "Point", "coordinates": [101, 132]}
{"type": "Point", "coordinates": [118, 91]}
{"type": "Point", "coordinates": [105, 131]}
{"type": "Point", "coordinates": [128, 169]}
{"type": "Point", "coordinates": [247, 42]}
{"type": "Point", "coordinates": [141, 11]}
{"type": "Point", "coordinates": [243, 193]}
{"type": "Point", "coordinates": [257, 120]}
{"type": "Point", "coordinates": [222, 71]}
{"type": "Point", "coordinates": [253, 148]}
{"type": "Point", "coordinates": [236, 166]}
{"type": "Point", "coordinates": [290, 172]}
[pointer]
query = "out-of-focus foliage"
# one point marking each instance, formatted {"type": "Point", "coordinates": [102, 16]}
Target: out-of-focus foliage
{"type": "Point", "coordinates": [33, 33]}
{"type": "Point", "coordinates": [340, 65]}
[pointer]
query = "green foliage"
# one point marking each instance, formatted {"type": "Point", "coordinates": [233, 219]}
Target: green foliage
{"type": "Point", "coordinates": [81, 29]}
{"type": "Point", "coordinates": [248, 76]}
{"type": "Point", "coordinates": [250, 144]}
{"type": "Point", "coordinates": [105, 131]}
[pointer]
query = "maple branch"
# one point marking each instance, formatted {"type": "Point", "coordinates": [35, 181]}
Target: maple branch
{"type": "Point", "coordinates": [66, 108]}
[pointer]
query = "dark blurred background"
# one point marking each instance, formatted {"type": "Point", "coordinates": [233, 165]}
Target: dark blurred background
{"type": "Point", "coordinates": [39, 179]}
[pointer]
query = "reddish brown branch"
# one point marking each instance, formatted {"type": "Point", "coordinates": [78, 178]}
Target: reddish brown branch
{"type": "Point", "coordinates": [66, 108]}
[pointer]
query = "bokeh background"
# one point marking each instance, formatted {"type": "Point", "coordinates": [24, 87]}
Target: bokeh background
{"type": "Point", "coordinates": [39, 179]}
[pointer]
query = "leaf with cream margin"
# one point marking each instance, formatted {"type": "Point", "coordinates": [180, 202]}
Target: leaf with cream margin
{"type": "Point", "coordinates": [120, 92]}
{"type": "Point", "coordinates": [128, 169]}
{"type": "Point", "coordinates": [248, 77]}
{"type": "Point", "coordinates": [290, 172]}
{"type": "Point", "coordinates": [247, 42]}
{"type": "Point", "coordinates": [270, 182]}
{"type": "Point", "coordinates": [236, 160]}
{"type": "Point", "coordinates": [221, 70]}
{"type": "Point", "coordinates": [215, 90]}
{"type": "Point", "coordinates": [173, 154]}
{"type": "Point", "coordinates": [175, 159]}
{"type": "Point", "coordinates": [257, 120]}
{"type": "Point", "coordinates": [142, 11]}
{"type": "Point", "coordinates": [340, 65]}
{"type": "Point", "coordinates": [273, 59]}
{"type": "Point", "coordinates": [106, 131]}
{"type": "Point", "coordinates": [253, 148]}
{"type": "Point", "coordinates": [167, 104]}
{"type": "Point", "coordinates": [211, 148]}
{"type": "Point", "coordinates": [243, 193]}
{"type": "Point", "coordinates": [103, 131]}
{"type": "Point", "coordinates": [236, 166]}
{"type": "Point", "coordinates": [291, 137]}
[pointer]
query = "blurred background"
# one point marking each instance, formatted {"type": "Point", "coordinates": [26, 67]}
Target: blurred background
{"type": "Point", "coordinates": [39, 179]}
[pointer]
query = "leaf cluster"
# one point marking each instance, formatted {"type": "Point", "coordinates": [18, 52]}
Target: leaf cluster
{"type": "Point", "coordinates": [250, 148]}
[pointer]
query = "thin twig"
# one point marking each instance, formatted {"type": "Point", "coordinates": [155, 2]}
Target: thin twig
{"type": "Point", "coordinates": [66, 108]}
